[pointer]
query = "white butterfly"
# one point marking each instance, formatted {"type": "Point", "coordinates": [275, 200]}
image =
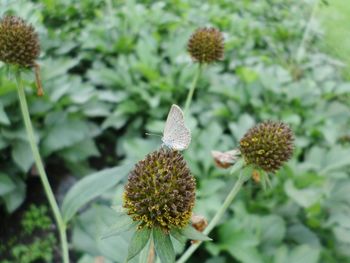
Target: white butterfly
{"type": "Point", "coordinates": [176, 135]}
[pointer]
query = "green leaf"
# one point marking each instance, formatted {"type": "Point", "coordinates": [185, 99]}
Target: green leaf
{"type": "Point", "coordinates": [301, 234]}
{"type": "Point", "coordinates": [191, 233]}
{"type": "Point", "coordinates": [144, 254]}
{"type": "Point", "coordinates": [88, 227]}
{"type": "Point", "coordinates": [337, 158]}
{"type": "Point", "coordinates": [3, 116]}
{"type": "Point", "coordinates": [16, 197]}
{"type": "Point", "coordinates": [7, 85]}
{"type": "Point", "coordinates": [304, 254]}
{"type": "Point", "coordinates": [65, 134]}
{"type": "Point", "coordinates": [273, 229]}
{"type": "Point", "coordinates": [80, 151]}
{"type": "Point", "coordinates": [116, 120]}
{"type": "Point", "coordinates": [22, 155]}
{"type": "Point", "coordinates": [53, 68]}
{"type": "Point", "coordinates": [246, 254]}
{"type": "Point", "coordinates": [164, 246]}
{"type": "Point", "coordinates": [6, 184]}
{"type": "Point", "coordinates": [90, 187]}
{"type": "Point", "coordinates": [138, 242]}
{"type": "Point", "coordinates": [124, 223]}
{"type": "Point", "coordinates": [304, 197]}
{"type": "Point", "coordinates": [176, 233]}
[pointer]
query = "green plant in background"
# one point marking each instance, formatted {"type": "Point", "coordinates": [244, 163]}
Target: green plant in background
{"type": "Point", "coordinates": [35, 241]}
{"type": "Point", "coordinates": [104, 90]}
{"type": "Point", "coordinates": [35, 217]}
{"type": "Point", "coordinates": [38, 250]}
{"type": "Point", "coordinates": [20, 48]}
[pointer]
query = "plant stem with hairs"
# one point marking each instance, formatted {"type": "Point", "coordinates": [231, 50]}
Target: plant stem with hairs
{"type": "Point", "coordinates": [219, 214]}
{"type": "Point", "coordinates": [193, 87]}
{"type": "Point", "coordinates": [39, 165]}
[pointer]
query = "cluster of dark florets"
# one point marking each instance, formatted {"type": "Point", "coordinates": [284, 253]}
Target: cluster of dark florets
{"type": "Point", "coordinates": [267, 145]}
{"type": "Point", "coordinates": [19, 43]}
{"type": "Point", "coordinates": [160, 191]}
{"type": "Point", "coordinates": [206, 45]}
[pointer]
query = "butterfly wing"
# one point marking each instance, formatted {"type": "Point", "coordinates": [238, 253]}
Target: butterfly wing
{"type": "Point", "coordinates": [176, 135]}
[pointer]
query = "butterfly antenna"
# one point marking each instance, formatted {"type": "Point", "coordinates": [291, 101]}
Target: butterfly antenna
{"type": "Point", "coordinates": [152, 134]}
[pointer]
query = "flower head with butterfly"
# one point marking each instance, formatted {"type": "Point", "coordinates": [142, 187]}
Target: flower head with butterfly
{"type": "Point", "coordinates": [160, 193]}
{"type": "Point", "coordinates": [161, 190]}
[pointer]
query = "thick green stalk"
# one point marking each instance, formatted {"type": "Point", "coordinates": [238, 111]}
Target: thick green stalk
{"type": "Point", "coordinates": [192, 88]}
{"type": "Point", "coordinates": [219, 214]}
{"type": "Point", "coordinates": [39, 165]}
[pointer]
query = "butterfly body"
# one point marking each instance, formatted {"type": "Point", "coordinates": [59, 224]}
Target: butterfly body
{"type": "Point", "coordinates": [176, 135]}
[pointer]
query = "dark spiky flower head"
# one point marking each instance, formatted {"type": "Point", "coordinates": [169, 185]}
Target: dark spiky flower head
{"type": "Point", "coordinates": [19, 43]}
{"type": "Point", "coordinates": [267, 145]}
{"type": "Point", "coordinates": [206, 45]}
{"type": "Point", "coordinates": [160, 191]}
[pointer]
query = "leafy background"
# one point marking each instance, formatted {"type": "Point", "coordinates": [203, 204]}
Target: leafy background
{"type": "Point", "coordinates": [111, 70]}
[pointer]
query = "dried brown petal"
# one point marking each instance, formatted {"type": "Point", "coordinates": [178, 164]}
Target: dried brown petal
{"type": "Point", "coordinates": [225, 159]}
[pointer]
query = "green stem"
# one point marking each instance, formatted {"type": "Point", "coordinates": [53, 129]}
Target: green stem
{"type": "Point", "coordinates": [39, 165]}
{"type": "Point", "coordinates": [219, 214]}
{"type": "Point", "coordinates": [192, 88]}
{"type": "Point", "coordinates": [307, 32]}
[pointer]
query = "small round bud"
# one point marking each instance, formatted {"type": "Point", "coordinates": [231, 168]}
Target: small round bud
{"type": "Point", "coordinates": [206, 45]}
{"type": "Point", "coordinates": [19, 43]}
{"type": "Point", "coordinates": [160, 191]}
{"type": "Point", "coordinates": [267, 145]}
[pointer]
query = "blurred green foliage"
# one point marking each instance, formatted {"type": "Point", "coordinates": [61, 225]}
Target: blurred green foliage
{"type": "Point", "coordinates": [334, 18]}
{"type": "Point", "coordinates": [34, 242]}
{"type": "Point", "coordinates": [111, 70]}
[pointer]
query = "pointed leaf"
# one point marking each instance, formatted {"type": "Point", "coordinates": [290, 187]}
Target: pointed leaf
{"type": "Point", "coordinates": [191, 233]}
{"type": "Point", "coordinates": [176, 233]}
{"type": "Point", "coordinates": [6, 184]}
{"type": "Point", "coordinates": [22, 155]}
{"type": "Point", "coordinates": [123, 224]}
{"type": "Point", "coordinates": [3, 116]}
{"type": "Point", "coordinates": [138, 242]}
{"type": "Point", "coordinates": [145, 252]}
{"type": "Point", "coordinates": [164, 246]}
{"type": "Point", "coordinates": [90, 187]}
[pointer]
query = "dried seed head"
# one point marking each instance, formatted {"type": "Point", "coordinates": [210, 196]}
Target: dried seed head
{"type": "Point", "coordinates": [160, 191]}
{"type": "Point", "coordinates": [267, 145]}
{"type": "Point", "coordinates": [206, 45]}
{"type": "Point", "coordinates": [19, 43]}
